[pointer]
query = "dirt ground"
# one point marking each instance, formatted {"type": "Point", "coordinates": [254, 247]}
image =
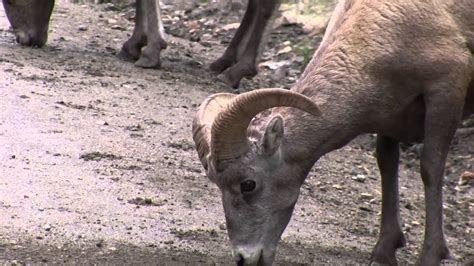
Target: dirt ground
{"type": "Point", "coordinates": [97, 162]}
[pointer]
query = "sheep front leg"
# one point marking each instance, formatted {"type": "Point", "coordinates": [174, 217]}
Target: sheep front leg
{"type": "Point", "coordinates": [253, 42]}
{"type": "Point", "coordinates": [391, 236]}
{"type": "Point", "coordinates": [230, 55]}
{"type": "Point", "coordinates": [132, 48]}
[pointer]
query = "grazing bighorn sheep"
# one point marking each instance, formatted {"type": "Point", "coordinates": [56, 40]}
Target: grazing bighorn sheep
{"type": "Point", "coordinates": [402, 69]}
{"type": "Point", "coordinates": [30, 20]}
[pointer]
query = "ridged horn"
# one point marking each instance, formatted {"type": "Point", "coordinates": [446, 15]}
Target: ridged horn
{"type": "Point", "coordinates": [203, 120]}
{"type": "Point", "coordinates": [229, 129]}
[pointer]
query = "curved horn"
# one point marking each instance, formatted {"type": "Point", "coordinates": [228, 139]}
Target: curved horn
{"type": "Point", "coordinates": [229, 129]}
{"type": "Point", "coordinates": [203, 120]}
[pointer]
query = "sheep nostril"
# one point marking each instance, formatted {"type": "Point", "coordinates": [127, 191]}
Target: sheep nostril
{"type": "Point", "coordinates": [241, 261]}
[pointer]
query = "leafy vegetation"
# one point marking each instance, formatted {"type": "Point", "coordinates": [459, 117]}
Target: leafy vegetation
{"type": "Point", "coordinates": [310, 7]}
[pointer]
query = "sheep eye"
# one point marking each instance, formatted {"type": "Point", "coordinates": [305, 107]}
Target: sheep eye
{"type": "Point", "coordinates": [247, 186]}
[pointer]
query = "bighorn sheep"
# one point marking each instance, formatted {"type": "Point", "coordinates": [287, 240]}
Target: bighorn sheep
{"type": "Point", "coordinates": [30, 20]}
{"type": "Point", "coordinates": [402, 69]}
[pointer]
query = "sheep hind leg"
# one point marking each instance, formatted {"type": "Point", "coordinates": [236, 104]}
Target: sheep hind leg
{"type": "Point", "coordinates": [444, 110]}
{"type": "Point", "coordinates": [391, 236]}
{"type": "Point", "coordinates": [150, 56]}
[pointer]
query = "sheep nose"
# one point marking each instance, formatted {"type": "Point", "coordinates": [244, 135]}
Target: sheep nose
{"type": "Point", "coordinates": [31, 38]}
{"type": "Point", "coordinates": [245, 256]}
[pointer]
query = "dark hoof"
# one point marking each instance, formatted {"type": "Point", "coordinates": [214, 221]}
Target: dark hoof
{"type": "Point", "coordinates": [150, 57]}
{"type": "Point", "coordinates": [126, 56]}
{"type": "Point", "coordinates": [163, 45]}
{"type": "Point", "coordinates": [234, 83]}
{"type": "Point", "coordinates": [434, 257]}
{"type": "Point", "coordinates": [236, 73]}
{"type": "Point", "coordinates": [386, 247]}
{"type": "Point", "coordinates": [387, 258]}
{"type": "Point", "coordinates": [384, 256]}
{"type": "Point", "coordinates": [220, 65]}
{"type": "Point", "coordinates": [374, 263]}
{"type": "Point", "coordinates": [147, 62]}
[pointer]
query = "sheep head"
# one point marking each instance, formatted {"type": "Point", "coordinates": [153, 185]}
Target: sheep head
{"type": "Point", "coordinates": [257, 184]}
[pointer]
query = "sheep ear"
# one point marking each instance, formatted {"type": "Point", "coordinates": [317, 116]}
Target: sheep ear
{"type": "Point", "coordinates": [271, 141]}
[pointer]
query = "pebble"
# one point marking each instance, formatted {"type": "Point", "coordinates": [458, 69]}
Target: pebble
{"type": "Point", "coordinates": [285, 50]}
{"type": "Point", "coordinates": [359, 178]}
{"type": "Point", "coordinates": [117, 27]}
{"type": "Point", "coordinates": [222, 226]}
{"type": "Point", "coordinates": [232, 26]}
{"type": "Point", "coordinates": [415, 223]}
{"type": "Point", "coordinates": [409, 206]}
{"type": "Point", "coordinates": [366, 196]}
{"type": "Point", "coordinates": [112, 21]}
{"type": "Point", "coordinates": [365, 208]}
{"type": "Point", "coordinates": [110, 7]}
{"type": "Point", "coordinates": [465, 178]}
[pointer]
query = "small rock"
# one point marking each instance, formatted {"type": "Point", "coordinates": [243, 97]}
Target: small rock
{"type": "Point", "coordinates": [407, 228]}
{"type": "Point", "coordinates": [195, 38]}
{"type": "Point", "coordinates": [222, 226]}
{"type": "Point", "coordinates": [415, 223]}
{"type": "Point", "coordinates": [409, 206]}
{"type": "Point", "coordinates": [148, 201]}
{"type": "Point", "coordinates": [365, 208]}
{"type": "Point", "coordinates": [272, 65]}
{"type": "Point", "coordinates": [466, 178]}
{"type": "Point", "coordinates": [112, 21]}
{"type": "Point", "coordinates": [82, 28]}
{"type": "Point", "coordinates": [299, 59]}
{"type": "Point", "coordinates": [359, 178]}
{"type": "Point", "coordinates": [285, 50]}
{"type": "Point", "coordinates": [232, 26]}
{"type": "Point", "coordinates": [117, 27]}
{"type": "Point", "coordinates": [110, 7]}
{"type": "Point", "coordinates": [366, 196]}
